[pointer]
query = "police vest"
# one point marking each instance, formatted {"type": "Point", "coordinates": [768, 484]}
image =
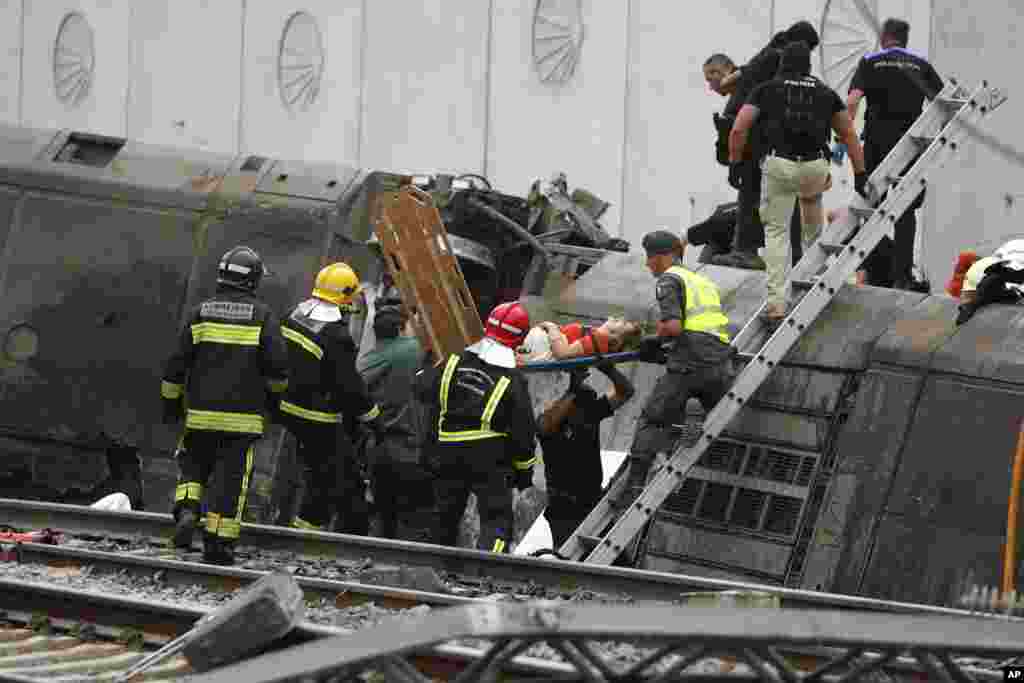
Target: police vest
{"type": "Point", "coordinates": [702, 311]}
{"type": "Point", "coordinates": [476, 394]}
{"type": "Point", "coordinates": [804, 121]}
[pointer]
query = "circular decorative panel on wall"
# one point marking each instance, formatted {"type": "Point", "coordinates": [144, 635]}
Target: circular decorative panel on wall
{"type": "Point", "coordinates": [74, 59]}
{"type": "Point", "coordinates": [847, 34]}
{"type": "Point", "coordinates": [300, 61]}
{"type": "Point", "coordinates": [557, 39]}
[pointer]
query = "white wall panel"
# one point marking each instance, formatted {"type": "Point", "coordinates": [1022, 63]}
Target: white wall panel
{"type": "Point", "coordinates": [102, 110]}
{"type": "Point", "coordinates": [424, 106]}
{"type": "Point", "coordinates": [975, 202]}
{"type": "Point", "coordinates": [182, 95]}
{"type": "Point", "coordinates": [540, 129]}
{"type": "Point", "coordinates": [10, 60]}
{"type": "Point", "coordinates": [327, 128]}
{"type": "Point", "coordinates": [672, 178]}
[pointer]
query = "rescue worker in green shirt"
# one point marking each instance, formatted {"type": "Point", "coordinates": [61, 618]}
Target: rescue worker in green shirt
{"type": "Point", "coordinates": [402, 488]}
{"type": "Point", "coordinates": [229, 356]}
{"type": "Point", "coordinates": [324, 386]}
{"type": "Point", "coordinates": [692, 336]}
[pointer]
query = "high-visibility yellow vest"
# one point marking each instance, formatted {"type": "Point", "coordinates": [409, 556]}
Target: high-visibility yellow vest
{"type": "Point", "coordinates": [485, 431]}
{"type": "Point", "coordinates": [702, 311]}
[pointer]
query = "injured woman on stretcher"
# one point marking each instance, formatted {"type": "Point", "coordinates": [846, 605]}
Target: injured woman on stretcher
{"type": "Point", "coordinates": [549, 341]}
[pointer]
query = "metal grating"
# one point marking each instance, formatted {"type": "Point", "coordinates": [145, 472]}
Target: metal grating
{"type": "Point", "coordinates": [748, 508]}
{"type": "Point", "coordinates": [783, 515]}
{"type": "Point", "coordinates": [715, 504]}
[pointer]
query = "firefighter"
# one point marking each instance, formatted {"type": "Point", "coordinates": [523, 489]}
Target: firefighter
{"type": "Point", "coordinates": [693, 328]}
{"type": "Point", "coordinates": [402, 487]}
{"type": "Point", "coordinates": [324, 384]}
{"type": "Point", "coordinates": [485, 430]}
{"type": "Point", "coordinates": [229, 356]}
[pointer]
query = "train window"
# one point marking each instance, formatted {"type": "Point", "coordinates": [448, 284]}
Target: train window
{"type": "Point", "coordinates": [89, 150]}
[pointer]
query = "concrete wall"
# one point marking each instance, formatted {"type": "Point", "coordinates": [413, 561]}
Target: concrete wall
{"type": "Point", "coordinates": [450, 85]}
{"type": "Point", "coordinates": [979, 205]}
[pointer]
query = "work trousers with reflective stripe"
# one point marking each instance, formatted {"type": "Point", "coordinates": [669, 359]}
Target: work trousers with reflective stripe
{"type": "Point", "coordinates": [331, 474]}
{"type": "Point", "coordinates": [481, 467]}
{"type": "Point", "coordinates": [216, 467]}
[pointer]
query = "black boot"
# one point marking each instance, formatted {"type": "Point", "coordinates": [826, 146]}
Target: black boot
{"type": "Point", "coordinates": [217, 550]}
{"type": "Point", "coordinates": [186, 516]}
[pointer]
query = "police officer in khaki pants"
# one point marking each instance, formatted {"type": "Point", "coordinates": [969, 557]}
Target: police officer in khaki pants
{"type": "Point", "coordinates": [796, 111]}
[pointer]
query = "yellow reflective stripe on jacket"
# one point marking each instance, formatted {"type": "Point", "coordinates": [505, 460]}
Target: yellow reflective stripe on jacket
{"type": "Point", "coordinates": [499, 545]}
{"type": "Point", "coordinates": [224, 333]}
{"type": "Point", "coordinates": [190, 490]}
{"type": "Point", "coordinates": [524, 464]}
{"type": "Point", "coordinates": [307, 414]}
{"type": "Point", "coordinates": [171, 390]}
{"type": "Point", "coordinates": [215, 420]}
{"type": "Point", "coordinates": [303, 341]}
{"type": "Point", "coordinates": [277, 386]}
{"type": "Point", "coordinates": [224, 527]}
{"type": "Point", "coordinates": [300, 523]}
{"type": "Point", "coordinates": [371, 414]}
{"type": "Point", "coordinates": [485, 431]}
{"type": "Point", "coordinates": [702, 309]}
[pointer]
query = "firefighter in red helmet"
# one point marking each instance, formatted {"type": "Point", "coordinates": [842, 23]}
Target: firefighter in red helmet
{"type": "Point", "coordinates": [483, 430]}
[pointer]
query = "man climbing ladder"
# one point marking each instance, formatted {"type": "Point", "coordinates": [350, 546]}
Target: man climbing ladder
{"type": "Point", "coordinates": [935, 136]}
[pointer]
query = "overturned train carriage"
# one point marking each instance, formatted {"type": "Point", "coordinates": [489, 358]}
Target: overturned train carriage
{"type": "Point", "coordinates": [876, 462]}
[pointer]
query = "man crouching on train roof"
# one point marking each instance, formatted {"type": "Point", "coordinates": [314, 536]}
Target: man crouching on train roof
{"type": "Point", "coordinates": [230, 355]}
{"type": "Point", "coordinates": [485, 430]}
{"type": "Point", "coordinates": [694, 342]}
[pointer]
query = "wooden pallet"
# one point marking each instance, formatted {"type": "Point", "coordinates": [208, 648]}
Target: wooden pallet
{"type": "Point", "coordinates": [426, 272]}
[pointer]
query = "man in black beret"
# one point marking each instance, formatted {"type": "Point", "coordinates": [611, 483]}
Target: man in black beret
{"type": "Point", "coordinates": [692, 337]}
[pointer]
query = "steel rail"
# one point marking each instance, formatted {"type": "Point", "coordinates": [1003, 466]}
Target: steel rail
{"type": "Point", "coordinates": [219, 579]}
{"type": "Point", "coordinates": [112, 616]}
{"type": "Point", "coordinates": [518, 570]}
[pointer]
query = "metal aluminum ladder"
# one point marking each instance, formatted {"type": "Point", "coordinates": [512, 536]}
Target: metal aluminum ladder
{"type": "Point", "coordinates": [931, 141]}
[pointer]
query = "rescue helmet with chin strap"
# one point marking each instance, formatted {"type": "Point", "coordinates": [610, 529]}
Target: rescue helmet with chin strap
{"type": "Point", "coordinates": [508, 324]}
{"type": "Point", "coordinates": [337, 284]}
{"type": "Point", "coordinates": [240, 267]}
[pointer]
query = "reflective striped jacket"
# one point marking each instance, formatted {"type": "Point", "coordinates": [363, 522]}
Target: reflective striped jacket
{"type": "Point", "coordinates": [324, 381]}
{"type": "Point", "coordinates": [229, 355]}
{"type": "Point", "coordinates": [473, 401]}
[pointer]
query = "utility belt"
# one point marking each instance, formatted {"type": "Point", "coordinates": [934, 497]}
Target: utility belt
{"type": "Point", "coordinates": [798, 158]}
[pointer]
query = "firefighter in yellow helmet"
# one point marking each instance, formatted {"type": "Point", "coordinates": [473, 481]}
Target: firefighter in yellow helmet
{"type": "Point", "coordinates": [324, 385]}
{"type": "Point", "coordinates": [229, 356]}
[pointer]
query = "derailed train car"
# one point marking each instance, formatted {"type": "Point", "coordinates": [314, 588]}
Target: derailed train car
{"type": "Point", "coordinates": [107, 242]}
{"type": "Point", "coordinates": [877, 461]}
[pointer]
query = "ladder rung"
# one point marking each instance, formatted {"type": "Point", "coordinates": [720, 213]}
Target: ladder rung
{"type": "Point", "coordinates": [922, 140]}
{"type": "Point", "coordinates": [803, 284]}
{"type": "Point", "coordinates": [589, 542]}
{"type": "Point", "coordinates": [952, 101]}
{"type": "Point", "coordinates": [863, 212]}
{"type": "Point", "coordinates": [831, 248]}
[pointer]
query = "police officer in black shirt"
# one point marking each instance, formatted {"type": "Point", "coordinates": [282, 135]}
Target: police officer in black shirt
{"type": "Point", "coordinates": [895, 82]}
{"type": "Point", "coordinates": [796, 111]}
{"type": "Point", "coordinates": [570, 436]}
{"type": "Point", "coordinates": [746, 177]}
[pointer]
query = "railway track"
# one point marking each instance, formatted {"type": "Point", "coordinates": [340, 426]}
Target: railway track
{"type": "Point", "coordinates": [467, 572]}
{"type": "Point", "coordinates": [46, 595]}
